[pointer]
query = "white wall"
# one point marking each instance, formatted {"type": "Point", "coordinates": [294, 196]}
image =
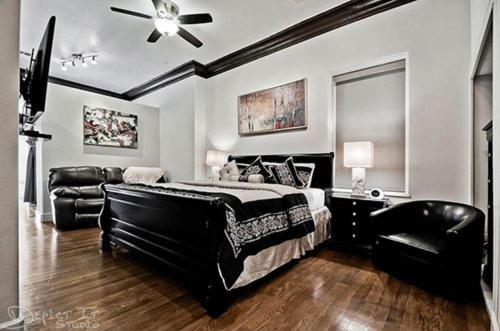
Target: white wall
{"type": "Point", "coordinates": [63, 119]}
{"type": "Point", "coordinates": [177, 130]}
{"type": "Point", "coordinates": [436, 36]}
{"type": "Point", "coordinates": [182, 128]}
{"type": "Point", "coordinates": [9, 91]}
{"type": "Point", "coordinates": [478, 12]}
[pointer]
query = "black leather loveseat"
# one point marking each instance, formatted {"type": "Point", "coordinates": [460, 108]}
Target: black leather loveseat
{"type": "Point", "coordinates": [434, 243]}
{"type": "Point", "coordinates": [76, 196]}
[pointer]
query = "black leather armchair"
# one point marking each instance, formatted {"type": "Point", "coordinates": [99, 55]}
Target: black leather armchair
{"type": "Point", "coordinates": [76, 196]}
{"type": "Point", "coordinates": [439, 243]}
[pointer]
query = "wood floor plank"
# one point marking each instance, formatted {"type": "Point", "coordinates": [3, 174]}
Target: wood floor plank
{"type": "Point", "coordinates": [65, 278]}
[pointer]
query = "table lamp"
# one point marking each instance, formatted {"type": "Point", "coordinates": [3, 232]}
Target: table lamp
{"type": "Point", "coordinates": [215, 160]}
{"type": "Point", "coordinates": [358, 155]}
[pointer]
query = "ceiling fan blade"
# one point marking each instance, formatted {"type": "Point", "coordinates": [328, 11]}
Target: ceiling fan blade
{"type": "Point", "coordinates": [195, 19]}
{"type": "Point", "coordinates": [129, 12]}
{"type": "Point", "coordinates": [189, 38]}
{"type": "Point", "coordinates": [154, 36]}
{"type": "Point", "coordinates": [158, 5]}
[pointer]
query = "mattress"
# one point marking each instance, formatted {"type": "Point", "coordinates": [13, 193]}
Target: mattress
{"type": "Point", "coordinates": [270, 259]}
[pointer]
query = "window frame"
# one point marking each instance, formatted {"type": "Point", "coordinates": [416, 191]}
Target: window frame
{"type": "Point", "coordinates": [333, 105]}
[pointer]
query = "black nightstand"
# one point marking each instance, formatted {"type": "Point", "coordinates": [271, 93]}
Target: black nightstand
{"type": "Point", "coordinates": [351, 228]}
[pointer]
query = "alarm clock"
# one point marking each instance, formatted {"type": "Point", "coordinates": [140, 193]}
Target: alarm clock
{"type": "Point", "coordinates": [377, 194]}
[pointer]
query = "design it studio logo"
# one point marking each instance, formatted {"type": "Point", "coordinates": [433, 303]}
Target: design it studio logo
{"type": "Point", "coordinates": [80, 318]}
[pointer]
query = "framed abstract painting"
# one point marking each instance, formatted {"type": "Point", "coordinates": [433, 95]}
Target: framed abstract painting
{"type": "Point", "coordinates": [275, 109]}
{"type": "Point", "coordinates": [103, 127]}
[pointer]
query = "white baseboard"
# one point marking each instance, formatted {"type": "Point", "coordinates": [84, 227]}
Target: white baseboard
{"type": "Point", "coordinates": [43, 217]}
{"type": "Point", "coordinates": [488, 299]}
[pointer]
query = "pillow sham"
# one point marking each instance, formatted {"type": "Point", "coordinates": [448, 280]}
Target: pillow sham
{"type": "Point", "coordinates": [229, 170]}
{"type": "Point", "coordinates": [256, 167]}
{"type": "Point", "coordinates": [286, 174]}
{"type": "Point", "coordinates": [305, 172]}
{"type": "Point", "coordinates": [241, 166]}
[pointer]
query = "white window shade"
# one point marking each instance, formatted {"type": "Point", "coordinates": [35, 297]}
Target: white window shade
{"type": "Point", "coordinates": [370, 106]}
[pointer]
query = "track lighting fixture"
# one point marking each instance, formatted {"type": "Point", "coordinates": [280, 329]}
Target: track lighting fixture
{"type": "Point", "coordinates": [80, 58]}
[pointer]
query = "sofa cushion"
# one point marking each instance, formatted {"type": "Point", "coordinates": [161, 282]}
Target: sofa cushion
{"type": "Point", "coordinates": [75, 176]}
{"type": "Point", "coordinates": [67, 192]}
{"type": "Point", "coordinates": [423, 247]}
{"type": "Point", "coordinates": [89, 192]}
{"type": "Point", "coordinates": [86, 219]}
{"type": "Point", "coordinates": [88, 206]}
{"type": "Point", "coordinates": [113, 175]}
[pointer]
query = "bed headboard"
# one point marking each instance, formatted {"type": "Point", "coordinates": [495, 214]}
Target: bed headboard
{"type": "Point", "coordinates": [323, 170]}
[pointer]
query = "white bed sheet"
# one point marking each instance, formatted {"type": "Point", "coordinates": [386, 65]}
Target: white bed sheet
{"type": "Point", "coordinates": [315, 198]}
{"type": "Point", "coordinates": [269, 259]}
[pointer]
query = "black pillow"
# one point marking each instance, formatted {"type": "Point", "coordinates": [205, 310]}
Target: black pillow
{"type": "Point", "coordinates": [256, 167]}
{"type": "Point", "coordinates": [286, 174]}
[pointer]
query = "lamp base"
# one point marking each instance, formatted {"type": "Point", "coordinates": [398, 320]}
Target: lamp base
{"type": "Point", "coordinates": [358, 182]}
{"type": "Point", "coordinates": [214, 174]}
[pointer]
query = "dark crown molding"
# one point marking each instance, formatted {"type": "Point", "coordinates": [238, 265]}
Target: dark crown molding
{"type": "Point", "coordinates": [329, 20]}
{"type": "Point", "coordinates": [347, 13]}
{"type": "Point", "coordinates": [83, 87]}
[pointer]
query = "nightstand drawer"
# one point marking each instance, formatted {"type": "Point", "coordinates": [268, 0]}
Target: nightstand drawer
{"type": "Point", "coordinates": [351, 226]}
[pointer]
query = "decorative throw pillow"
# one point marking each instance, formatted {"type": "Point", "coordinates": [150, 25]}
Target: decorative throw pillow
{"type": "Point", "coordinates": [241, 166]}
{"type": "Point", "coordinates": [286, 174]}
{"type": "Point", "coordinates": [229, 170]}
{"type": "Point", "coordinates": [305, 172]}
{"type": "Point", "coordinates": [256, 167]}
{"type": "Point", "coordinates": [248, 179]}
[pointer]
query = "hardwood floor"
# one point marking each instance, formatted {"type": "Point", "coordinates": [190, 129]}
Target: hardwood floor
{"type": "Point", "coordinates": [66, 283]}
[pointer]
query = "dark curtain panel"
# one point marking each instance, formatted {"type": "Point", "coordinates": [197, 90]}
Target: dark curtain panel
{"type": "Point", "coordinates": [30, 185]}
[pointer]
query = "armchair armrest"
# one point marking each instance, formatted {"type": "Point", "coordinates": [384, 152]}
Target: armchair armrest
{"type": "Point", "coordinates": [472, 227]}
{"type": "Point", "coordinates": [464, 244]}
{"type": "Point", "coordinates": [390, 220]}
{"type": "Point", "coordinates": [66, 192]}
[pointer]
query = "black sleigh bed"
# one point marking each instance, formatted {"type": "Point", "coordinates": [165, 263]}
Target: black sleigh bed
{"type": "Point", "coordinates": [182, 231]}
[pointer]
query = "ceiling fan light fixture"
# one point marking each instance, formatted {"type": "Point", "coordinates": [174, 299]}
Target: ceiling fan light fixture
{"type": "Point", "coordinates": [94, 60]}
{"type": "Point", "coordinates": [84, 64]}
{"type": "Point", "coordinates": [166, 26]}
{"type": "Point", "coordinates": [63, 66]}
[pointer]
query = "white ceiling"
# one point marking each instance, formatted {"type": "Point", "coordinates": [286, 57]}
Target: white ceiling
{"type": "Point", "coordinates": [126, 59]}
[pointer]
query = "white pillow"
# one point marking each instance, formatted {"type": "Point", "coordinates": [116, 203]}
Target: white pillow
{"type": "Point", "coordinates": [142, 175]}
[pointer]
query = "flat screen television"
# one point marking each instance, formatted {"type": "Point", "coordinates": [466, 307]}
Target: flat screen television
{"type": "Point", "coordinates": [33, 84]}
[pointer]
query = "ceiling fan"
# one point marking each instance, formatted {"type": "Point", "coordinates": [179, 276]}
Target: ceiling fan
{"type": "Point", "coordinates": [168, 21]}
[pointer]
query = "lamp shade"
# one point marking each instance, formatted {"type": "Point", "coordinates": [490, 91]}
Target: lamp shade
{"type": "Point", "coordinates": [358, 154]}
{"type": "Point", "coordinates": [216, 158]}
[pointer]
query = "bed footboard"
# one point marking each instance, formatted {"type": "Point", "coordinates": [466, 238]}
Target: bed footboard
{"type": "Point", "coordinates": [181, 231]}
